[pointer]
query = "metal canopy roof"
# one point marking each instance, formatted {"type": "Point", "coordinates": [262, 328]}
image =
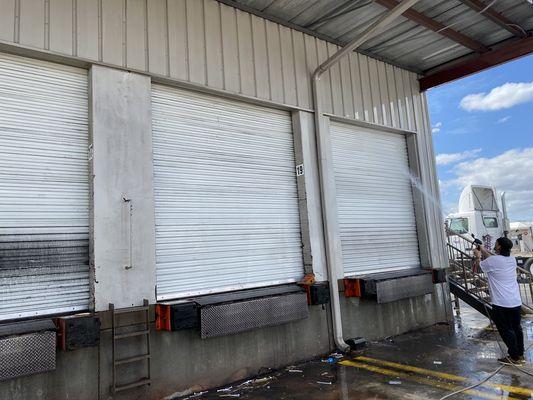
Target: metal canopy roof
{"type": "Point", "coordinates": [433, 38]}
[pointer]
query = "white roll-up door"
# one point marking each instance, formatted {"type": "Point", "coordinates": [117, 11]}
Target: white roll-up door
{"type": "Point", "coordinates": [44, 190]}
{"type": "Point", "coordinates": [225, 195]}
{"type": "Point", "coordinates": [374, 200]}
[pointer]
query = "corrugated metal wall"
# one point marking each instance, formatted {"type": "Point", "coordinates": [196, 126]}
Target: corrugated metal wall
{"type": "Point", "coordinates": [211, 44]}
{"type": "Point", "coordinates": [208, 43]}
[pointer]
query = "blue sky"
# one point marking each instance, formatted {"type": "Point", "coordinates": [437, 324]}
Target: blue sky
{"type": "Point", "coordinates": [483, 134]}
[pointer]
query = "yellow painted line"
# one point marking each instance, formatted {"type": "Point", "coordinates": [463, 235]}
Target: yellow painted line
{"type": "Point", "coordinates": [444, 375]}
{"type": "Point", "coordinates": [425, 381]}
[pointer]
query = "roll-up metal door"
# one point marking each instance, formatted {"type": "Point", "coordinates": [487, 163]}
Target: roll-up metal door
{"type": "Point", "coordinates": [225, 195]}
{"type": "Point", "coordinates": [374, 200]}
{"type": "Point", "coordinates": [44, 190]}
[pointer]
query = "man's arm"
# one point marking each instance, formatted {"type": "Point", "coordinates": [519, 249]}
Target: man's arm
{"type": "Point", "coordinates": [481, 253]}
{"type": "Point", "coordinates": [484, 252]}
{"type": "Point", "coordinates": [476, 260]}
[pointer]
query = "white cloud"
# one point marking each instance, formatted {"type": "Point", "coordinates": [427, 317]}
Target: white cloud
{"type": "Point", "coordinates": [436, 128]}
{"type": "Point", "coordinates": [450, 207]}
{"type": "Point", "coordinates": [503, 120]}
{"type": "Point", "coordinates": [445, 186]}
{"type": "Point", "coordinates": [450, 158]}
{"type": "Point", "coordinates": [504, 96]}
{"type": "Point", "coordinates": [511, 172]}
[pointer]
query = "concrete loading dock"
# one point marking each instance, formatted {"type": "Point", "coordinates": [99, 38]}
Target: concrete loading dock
{"type": "Point", "coordinates": [197, 119]}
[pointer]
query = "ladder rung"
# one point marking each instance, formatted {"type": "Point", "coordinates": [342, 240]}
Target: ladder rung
{"type": "Point", "coordinates": [142, 382]}
{"type": "Point", "coordinates": [131, 310]}
{"type": "Point", "coordinates": [132, 359]}
{"type": "Point", "coordinates": [131, 334]}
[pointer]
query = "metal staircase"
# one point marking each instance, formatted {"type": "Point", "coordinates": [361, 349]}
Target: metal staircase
{"type": "Point", "coordinates": [470, 284]}
{"type": "Point", "coordinates": [123, 333]}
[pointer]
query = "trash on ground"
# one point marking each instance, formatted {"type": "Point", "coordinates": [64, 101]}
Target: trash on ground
{"type": "Point", "coordinates": [251, 384]}
{"type": "Point", "coordinates": [437, 362]}
{"type": "Point", "coordinates": [395, 383]}
{"type": "Point", "coordinates": [263, 380]}
{"type": "Point", "coordinates": [357, 343]}
{"type": "Point", "coordinates": [195, 395]}
{"type": "Point", "coordinates": [264, 371]}
{"type": "Point", "coordinates": [295, 370]}
{"type": "Point", "coordinates": [323, 383]}
{"type": "Point", "coordinates": [329, 360]}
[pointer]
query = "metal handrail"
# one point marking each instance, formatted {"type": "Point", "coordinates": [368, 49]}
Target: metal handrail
{"type": "Point", "coordinates": [473, 282]}
{"type": "Point", "coordinates": [459, 251]}
{"type": "Point", "coordinates": [527, 276]}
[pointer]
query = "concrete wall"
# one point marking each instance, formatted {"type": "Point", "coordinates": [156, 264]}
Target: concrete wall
{"type": "Point", "coordinates": [365, 318]}
{"type": "Point", "coordinates": [182, 362]}
{"type": "Point", "coordinates": [75, 377]}
{"type": "Point", "coordinates": [123, 224]}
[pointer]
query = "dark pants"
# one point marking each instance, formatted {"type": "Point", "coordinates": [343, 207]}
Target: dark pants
{"type": "Point", "coordinates": [507, 321]}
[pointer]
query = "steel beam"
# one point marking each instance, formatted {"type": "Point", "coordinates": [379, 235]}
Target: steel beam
{"type": "Point", "coordinates": [504, 53]}
{"type": "Point", "coordinates": [495, 17]}
{"type": "Point", "coordinates": [436, 26]}
{"type": "Point", "coordinates": [368, 33]}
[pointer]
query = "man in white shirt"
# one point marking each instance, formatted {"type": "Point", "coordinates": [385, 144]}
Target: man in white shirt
{"type": "Point", "coordinates": [505, 295]}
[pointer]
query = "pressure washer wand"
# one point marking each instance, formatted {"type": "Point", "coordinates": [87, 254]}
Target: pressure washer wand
{"type": "Point", "coordinates": [473, 240]}
{"type": "Point", "coordinates": [478, 243]}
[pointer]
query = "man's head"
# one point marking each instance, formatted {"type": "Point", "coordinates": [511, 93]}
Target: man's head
{"type": "Point", "coordinates": [503, 246]}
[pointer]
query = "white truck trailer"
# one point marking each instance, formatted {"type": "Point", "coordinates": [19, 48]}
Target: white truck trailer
{"type": "Point", "coordinates": [481, 215]}
{"type": "Point", "coordinates": [521, 234]}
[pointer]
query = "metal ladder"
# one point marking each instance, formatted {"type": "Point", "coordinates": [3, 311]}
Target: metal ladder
{"type": "Point", "coordinates": [118, 333]}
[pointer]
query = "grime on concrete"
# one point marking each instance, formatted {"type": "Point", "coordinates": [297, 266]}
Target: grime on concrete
{"type": "Point", "coordinates": [425, 364]}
